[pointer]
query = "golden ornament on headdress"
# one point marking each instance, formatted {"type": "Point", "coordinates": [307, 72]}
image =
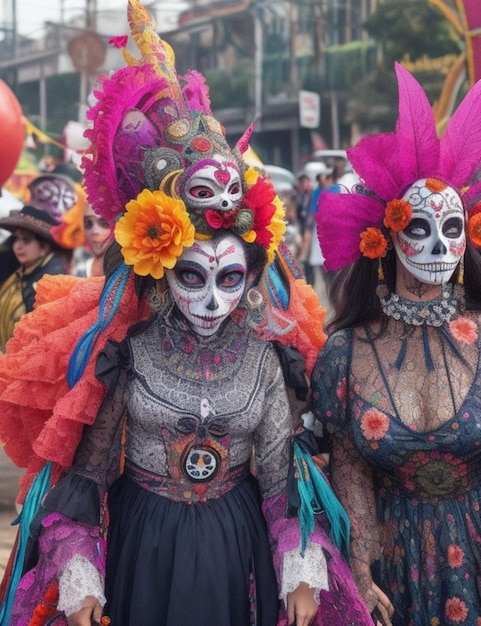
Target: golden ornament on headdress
{"type": "Point", "coordinates": [153, 50]}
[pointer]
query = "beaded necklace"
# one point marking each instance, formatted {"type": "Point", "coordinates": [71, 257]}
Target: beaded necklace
{"type": "Point", "coordinates": [436, 312]}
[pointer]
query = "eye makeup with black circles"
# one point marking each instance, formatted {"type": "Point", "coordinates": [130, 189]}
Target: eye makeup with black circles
{"type": "Point", "coordinates": [418, 228]}
{"type": "Point", "coordinates": [453, 227]}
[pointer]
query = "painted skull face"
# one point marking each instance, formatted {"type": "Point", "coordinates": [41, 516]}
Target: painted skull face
{"type": "Point", "coordinates": [213, 184]}
{"type": "Point", "coordinates": [208, 282]}
{"type": "Point", "coordinates": [53, 194]}
{"type": "Point", "coordinates": [432, 244]}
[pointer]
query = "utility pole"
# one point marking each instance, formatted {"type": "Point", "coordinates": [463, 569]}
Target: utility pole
{"type": "Point", "coordinates": [258, 61]}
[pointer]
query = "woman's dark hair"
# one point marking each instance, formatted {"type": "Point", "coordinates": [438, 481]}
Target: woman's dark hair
{"type": "Point", "coordinates": [353, 289]}
{"type": "Point", "coordinates": [256, 258]}
{"type": "Point", "coordinates": [113, 259]}
{"type": "Point", "coordinates": [353, 292]}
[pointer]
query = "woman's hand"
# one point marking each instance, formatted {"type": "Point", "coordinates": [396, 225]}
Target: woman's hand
{"type": "Point", "coordinates": [301, 606]}
{"type": "Point", "coordinates": [384, 605]}
{"type": "Point", "coordinates": [91, 609]}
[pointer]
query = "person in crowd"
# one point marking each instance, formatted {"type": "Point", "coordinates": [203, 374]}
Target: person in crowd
{"type": "Point", "coordinates": [183, 451]}
{"type": "Point", "coordinates": [396, 386]}
{"type": "Point", "coordinates": [311, 251]}
{"type": "Point", "coordinates": [89, 259]}
{"type": "Point", "coordinates": [59, 192]}
{"type": "Point", "coordinates": [54, 193]}
{"type": "Point", "coordinates": [36, 254]}
{"type": "Point", "coordinates": [292, 236]}
{"type": "Point", "coordinates": [303, 200]}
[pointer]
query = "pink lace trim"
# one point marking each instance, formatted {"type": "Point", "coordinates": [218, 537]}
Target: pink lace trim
{"type": "Point", "coordinates": [60, 540]}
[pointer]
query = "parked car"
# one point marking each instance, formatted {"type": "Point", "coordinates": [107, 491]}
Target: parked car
{"type": "Point", "coordinates": [283, 180]}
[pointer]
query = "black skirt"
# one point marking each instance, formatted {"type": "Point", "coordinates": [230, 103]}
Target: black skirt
{"type": "Point", "coordinates": [177, 564]}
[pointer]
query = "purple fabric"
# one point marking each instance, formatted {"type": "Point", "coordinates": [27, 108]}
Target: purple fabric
{"type": "Point", "coordinates": [59, 541]}
{"type": "Point", "coordinates": [342, 604]}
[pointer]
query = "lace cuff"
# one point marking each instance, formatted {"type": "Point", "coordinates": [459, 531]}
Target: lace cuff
{"type": "Point", "coordinates": [79, 579]}
{"type": "Point", "coordinates": [310, 568]}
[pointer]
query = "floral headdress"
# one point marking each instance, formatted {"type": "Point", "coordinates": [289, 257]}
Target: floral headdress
{"type": "Point", "coordinates": [355, 224]}
{"type": "Point", "coordinates": [150, 129]}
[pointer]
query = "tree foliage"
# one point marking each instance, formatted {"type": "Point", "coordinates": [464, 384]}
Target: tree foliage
{"type": "Point", "coordinates": [411, 27]}
{"type": "Point", "coordinates": [403, 30]}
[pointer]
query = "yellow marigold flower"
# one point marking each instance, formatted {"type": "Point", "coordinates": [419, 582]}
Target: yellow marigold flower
{"type": "Point", "coordinates": [249, 236]}
{"type": "Point", "coordinates": [373, 243]}
{"type": "Point", "coordinates": [277, 228]}
{"type": "Point", "coordinates": [153, 232]}
{"type": "Point", "coordinates": [474, 230]}
{"type": "Point", "coordinates": [433, 184]}
{"type": "Point", "coordinates": [397, 215]}
{"type": "Point", "coordinates": [251, 175]}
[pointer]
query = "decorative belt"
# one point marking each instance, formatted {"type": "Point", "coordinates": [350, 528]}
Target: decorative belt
{"type": "Point", "coordinates": [187, 488]}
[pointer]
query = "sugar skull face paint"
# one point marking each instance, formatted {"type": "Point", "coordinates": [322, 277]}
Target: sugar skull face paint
{"type": "Point", "coordinates": [53, 194]}
{"type": "Point", "coordinates": [208, 282]}
{"type": "Point", "coordinates": [213, 184]}
{"type": "Point", "coordinates": [432, 244]}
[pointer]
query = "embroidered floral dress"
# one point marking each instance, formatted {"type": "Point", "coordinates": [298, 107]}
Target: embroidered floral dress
{"type": "Point", "coordinates": [404, 404]}
{"type": "Point", "coordinates": [187, 539]}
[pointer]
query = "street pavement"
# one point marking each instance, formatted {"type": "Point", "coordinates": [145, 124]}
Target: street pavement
{"type": "Point", "coordinates": [9, 476]}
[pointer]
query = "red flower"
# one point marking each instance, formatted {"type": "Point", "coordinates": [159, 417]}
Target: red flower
{"type": "Point", "coordinates": [456, 610]}
{"type": "Point", "coordinates": [464, 329]}
{"type": "Point", "coordinates": [455, 556]}
{"type": "Point", "coordinates": [374, 424]}
{"type": "Point", "coordinates": [260, 199]}
{"type": "Point", "coordinates": [220, 219]}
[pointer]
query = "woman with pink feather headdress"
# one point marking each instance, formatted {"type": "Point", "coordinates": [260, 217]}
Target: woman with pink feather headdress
{"type": "Point", "coordinates": [166, 480]}
{"type": "Point", "coordinates": [398, 383]}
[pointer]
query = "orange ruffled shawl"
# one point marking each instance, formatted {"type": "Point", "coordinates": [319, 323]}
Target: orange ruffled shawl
{"type": "Point", "coordinates": [41, 418]}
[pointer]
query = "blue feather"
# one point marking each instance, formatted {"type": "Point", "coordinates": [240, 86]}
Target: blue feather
{"type": "Point", "coordinates": [316, 496]}
{"type": "Point", "coordinates": [277, 286]}
{"type": "Point", "coordinates": [108, 306]}
{"type": "Point", "coordinates": [35, 495]}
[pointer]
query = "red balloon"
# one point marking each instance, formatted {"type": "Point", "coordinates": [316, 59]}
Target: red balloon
{"type": "Point", "coordinates": [11, 131]}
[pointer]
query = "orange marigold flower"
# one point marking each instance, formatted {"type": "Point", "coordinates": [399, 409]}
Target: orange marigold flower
{"type": "Point", "coordinates": [456, 610]}
{"type": "Point", "coordinates": [374, 424]}
{"type": "Point", "coordinates": [433, 184]}
{"type": "Point", "coordinates": [464, 329]}
{"type": "Point", "coordinates": [455, 555]}
{"type": "Point", "coordinates": [474, 230]}
{"type": "Point", "coordinates": [373, 243]}
{"type": "Point", "coordinates": [398, 215]}
{"type": "Point", "coordinates": [153, 232]}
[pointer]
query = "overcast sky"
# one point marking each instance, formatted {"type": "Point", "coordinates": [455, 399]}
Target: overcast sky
{"type": "Point", "coordinates": [32, 14]}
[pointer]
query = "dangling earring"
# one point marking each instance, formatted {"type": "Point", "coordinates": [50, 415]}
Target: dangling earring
{"type": "Point", "coordinates": [460, 277]}
{"type": "Point", "coordinates": [255, 304]}
{"type": "Point", "coordinates": [380, 271]}
{"type": "Point", "coordinates": [160, 300]}
{"type": "Point", "coordinates": [381, 288]}
{"type": "Point", "coordinates": [458, 290]}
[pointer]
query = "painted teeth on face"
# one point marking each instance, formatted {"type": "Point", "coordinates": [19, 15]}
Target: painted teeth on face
{"type": "Point", "coordinates": [432, 244]}
{"type": "Point", "coordinates": [432, 267]}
